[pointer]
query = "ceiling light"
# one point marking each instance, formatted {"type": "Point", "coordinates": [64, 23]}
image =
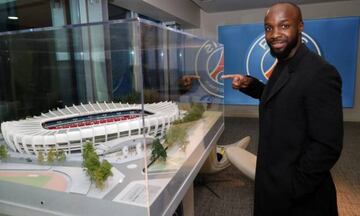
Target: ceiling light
{"type": "Point", "coordinates": [13, 17]}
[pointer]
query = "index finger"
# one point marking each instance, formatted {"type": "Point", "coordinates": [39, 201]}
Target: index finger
{"type": "Point", "coordinates": [192, 76]}
{"type": "Point", "coordinates": [229, 76]}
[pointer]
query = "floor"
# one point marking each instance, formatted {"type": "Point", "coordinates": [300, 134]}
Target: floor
{"type": "Point", "coordinates": [230, 193]}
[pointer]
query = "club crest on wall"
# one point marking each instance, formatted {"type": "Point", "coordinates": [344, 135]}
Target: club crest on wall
{"type": "Point", "coordinates": [209, 65]}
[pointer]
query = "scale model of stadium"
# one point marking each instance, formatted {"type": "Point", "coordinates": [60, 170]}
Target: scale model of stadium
{"type": "Point", "coordinates": [69, 128]}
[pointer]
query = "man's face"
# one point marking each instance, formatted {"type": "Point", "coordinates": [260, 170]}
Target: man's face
{"type": "Point", "coordinates": [282, 31]}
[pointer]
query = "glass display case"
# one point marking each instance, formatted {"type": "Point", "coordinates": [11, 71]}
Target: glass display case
{"type": "Point", "coordinates": [110, 118]}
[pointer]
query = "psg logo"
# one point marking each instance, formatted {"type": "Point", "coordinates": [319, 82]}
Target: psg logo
{"type": "Point", "coordinates": [209, 65]}
{"type": "Point", "coordinates": [259, 62]}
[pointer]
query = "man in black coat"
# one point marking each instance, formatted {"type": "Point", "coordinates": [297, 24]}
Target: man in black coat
{"type": "Point", "coordinates": [301, 129]}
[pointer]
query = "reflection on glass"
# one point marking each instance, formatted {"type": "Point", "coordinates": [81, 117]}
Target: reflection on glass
{"type": "Point", "coordinates": [100, 112]}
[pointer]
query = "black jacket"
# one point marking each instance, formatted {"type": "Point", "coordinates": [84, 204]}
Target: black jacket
{"type": "Point", "coordinates": [300, 138]}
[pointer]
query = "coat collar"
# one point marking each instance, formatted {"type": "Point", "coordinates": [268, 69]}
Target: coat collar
{"type": "Point", "coordinates": [290, 67]}
{"type": "Point", "coordinates": [296, 59]}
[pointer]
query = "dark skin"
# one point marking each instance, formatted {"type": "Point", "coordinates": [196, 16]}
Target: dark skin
{"type": "Point", "coordinates": [283, 26]}
{"type": "Point", "coordinates": [185, 82]}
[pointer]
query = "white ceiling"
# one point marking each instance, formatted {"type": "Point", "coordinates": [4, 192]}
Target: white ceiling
{"type": "Point", "coordinates": [211, 6]}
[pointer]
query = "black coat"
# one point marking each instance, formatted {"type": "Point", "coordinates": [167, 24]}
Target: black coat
{"type": "Point", "coordinates": [300, 138]}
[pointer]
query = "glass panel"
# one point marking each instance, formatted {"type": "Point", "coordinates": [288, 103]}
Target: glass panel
{"type": "Point", "coordinates": [73, 97]}
{"type": "Point", "coordinates": [66, 94]}
{"type": "Point", "coordinates": [182, 87]}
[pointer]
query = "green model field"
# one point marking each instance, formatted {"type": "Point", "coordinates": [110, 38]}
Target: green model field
{"type": "Point", "coordinates": [36, 181]}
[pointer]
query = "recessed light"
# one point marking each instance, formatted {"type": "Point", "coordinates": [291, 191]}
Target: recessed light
{"type": "Point", "coordinates": [13, 17]}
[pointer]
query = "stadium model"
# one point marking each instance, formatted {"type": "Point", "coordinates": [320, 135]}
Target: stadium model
{"type": "Point", "coordinates": [69, 128]}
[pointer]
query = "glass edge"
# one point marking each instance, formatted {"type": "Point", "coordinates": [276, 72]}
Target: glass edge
{"type": "Point", "coordinates": [141, 20]}
{"type": "Point", "coordinates": [49, 28]}
{"type": "Point", "coordinates": [171, 29]}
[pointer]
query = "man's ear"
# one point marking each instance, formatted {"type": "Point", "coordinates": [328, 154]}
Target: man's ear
{"type": "Point", "coordinates": [301, 26]}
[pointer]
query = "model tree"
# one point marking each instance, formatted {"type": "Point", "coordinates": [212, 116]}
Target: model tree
{"type": "Point", "coordinates": [40, 157]}
{"type": "Point", "coordinates": [131, 97]}
{"type": "Point", "coordinates": [150, 96]}
{"type": "Point", "coordinates": [158, 150]}
{"type": "Point", "coordinates": [60, 155]}
{"type": "Point", "coordinates": [102, 173]}
{"type": "Point", "coordinates": [176, 134]}
{"type": "Point", "coordinates": [193, 114]}
{"type": "Point", "coordinates": [96, 170]}
{"type": "Point", "coordinates": [3, 153]}
{"type": "Point", "coordinates": [90, 160]}
{"type": "Point", "coordinates": [51, 155]}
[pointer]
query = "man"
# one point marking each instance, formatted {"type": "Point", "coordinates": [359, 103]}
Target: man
{"type": "Point", "coordinates": [300, 116]}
